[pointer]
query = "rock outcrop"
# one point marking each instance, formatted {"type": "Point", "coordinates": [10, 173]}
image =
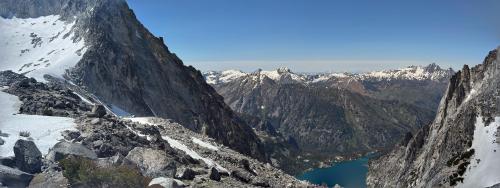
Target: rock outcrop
{"type": "Point", "coordinates": [134, 148]}
{"type": "Point", "coordinates": [442, 153]}
{"type": "Point", "coordinates": [12, 177]}
{"type": "Point", "coordinates": [152, 163]}
{"type": "Point", "coordinates": [43, 99]}
{"type": "Point", "coordinates": [63, 149]}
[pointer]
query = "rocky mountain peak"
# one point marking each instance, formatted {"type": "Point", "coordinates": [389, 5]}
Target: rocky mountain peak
{"type": "Point", "coordinates": [283, 70]}
{"type": "Point", "coordinates": [460, 145]}
{"type": "Point", "coordinates": [111, 56]}
{"type": "Point", "coordinates": [67, 9]}
{"type": "Point", "coordinates": [433, 67]}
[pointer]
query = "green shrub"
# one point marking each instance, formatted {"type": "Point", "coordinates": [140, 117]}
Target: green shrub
{"type": "Point", "coordinates": [82, 172]}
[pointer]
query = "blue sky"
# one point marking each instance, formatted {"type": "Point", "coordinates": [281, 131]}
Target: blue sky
{"type": "Point", "coordinates": [323, 35]}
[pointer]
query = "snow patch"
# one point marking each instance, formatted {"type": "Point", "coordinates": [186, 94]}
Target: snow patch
{"type": "Point", "coordinates": [470, 95]}
{"type": "Point", "coordinates": [142, 120]}
{"type": "Point", "coordinates": [204, 144]}
{"type": "Point", "coordinates": [84, 99]}
{"type": "Point", "coordinates": [193, 154]}
{"type": "Point", "coordinates": [165, 182]}
{"type": "Point", "coordinates": [484, 168]}
{"type": "Point", "coordinates": [45, 131]}
{"type": "Point", "coordinates": [39, 46]}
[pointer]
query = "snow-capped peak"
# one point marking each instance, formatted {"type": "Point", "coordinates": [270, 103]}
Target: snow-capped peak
{"type": "Point", "coordinates": [430, 72]}
{"type": "Point", "coordinates": [280, 74]}
{"type": "Point", "coordinates": [214, 77]}
{"type": "Point", "coordinates": [283, 70]}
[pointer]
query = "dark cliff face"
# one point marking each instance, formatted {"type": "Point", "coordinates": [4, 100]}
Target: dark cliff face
{"type": "Point", "coordinates": [126, 67]}
{"type": "Point", "coordinates": [439, 154]}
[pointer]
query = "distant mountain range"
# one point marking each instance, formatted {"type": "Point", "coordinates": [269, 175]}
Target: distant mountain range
{"type": "Point", "coordinates": [336, 114]}
{"type": "Point", "coordinates": [429, 72]}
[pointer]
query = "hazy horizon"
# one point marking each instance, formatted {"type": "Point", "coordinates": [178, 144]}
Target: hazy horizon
{"type": "Point", "coordinates": [349, 66]}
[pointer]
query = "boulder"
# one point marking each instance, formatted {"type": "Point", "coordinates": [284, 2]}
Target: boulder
{"type": "Point", "coordinates": [27, 82]}
{"type": "Point", "coordinates": [246, 165]}
{"type": "Point", "coordinates": [110, 161]}
{"type": "Point", "coordinates": [151, 162]}
{"type": "Point", "coordinates": [2, 141]}
{"type": "Point", "coordinates": [60, 104]}
{"type": "Point", "coordinates": [70, 134]}
{"type": "Point", "coordinates": [167, 182]}
{"type": "Point", "coordinates": [214, 174]}
{"type": "Point", "coordinates": [98, 111]}
{"type": "Point", "coordinates": [105, 149]}
{"type": "Point", "coordinates": [8, 161]}
{"type": "Point", "coordinates": [27, 156]}
{"type": "Point", "coordinates": [186, 174]}
{"type": "Point", "coordinates": [10, 177]}
{"type": "Point", "coordinates": [241, 176]}
{"type": "Point", "coordinates": [260, 182]}
{"type": "Point", "coordinates": [52, 180]}
{"type": "Point", "coordinates": [187, 159]}
{"type": "Point", "coordinates": [95, 121]}
{"type": "Point", "coordinates": [63, 149]}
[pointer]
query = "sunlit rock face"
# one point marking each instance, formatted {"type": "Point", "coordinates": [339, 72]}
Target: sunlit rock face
{"type": "Point", "coordinates": [102, 48]}
{"type": "Point", "coordinates": [459, 147]}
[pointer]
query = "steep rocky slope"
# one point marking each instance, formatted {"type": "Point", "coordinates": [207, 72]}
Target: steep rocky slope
{"type": "Point", "coordinates": [459, 148]}
{"type": "Point", "coordinates": [331, 115]}
{"type": "Point", "coordinates": [156, 150]}
{"type": "Point", "coordinates": [101, 47]}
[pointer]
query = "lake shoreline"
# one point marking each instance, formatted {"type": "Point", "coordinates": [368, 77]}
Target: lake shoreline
{"type": "Point", "coordinates": [345, 173]}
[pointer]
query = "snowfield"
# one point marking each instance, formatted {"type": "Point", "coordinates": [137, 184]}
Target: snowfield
{"type": "Point", "coordinates": [45, 130]}
{"type": "Point", "coordinates": [38, 46]}
{"type": "Point", "coordinates": [484, 170]}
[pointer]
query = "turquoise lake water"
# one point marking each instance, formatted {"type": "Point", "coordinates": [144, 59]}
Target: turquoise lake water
{"type": "Point", "coordinates": [348, 174]}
